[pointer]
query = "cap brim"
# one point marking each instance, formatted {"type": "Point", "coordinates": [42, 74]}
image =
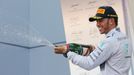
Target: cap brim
{"type": "Point", "coordinates": [91, 19]}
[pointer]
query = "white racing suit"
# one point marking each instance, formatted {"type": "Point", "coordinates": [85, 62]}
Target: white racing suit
{"type": "Point", "coordinates": [112, 55]}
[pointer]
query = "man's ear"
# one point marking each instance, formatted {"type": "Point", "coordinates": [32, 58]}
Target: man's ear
{"type": "Point", "coordinates": [111, 21]}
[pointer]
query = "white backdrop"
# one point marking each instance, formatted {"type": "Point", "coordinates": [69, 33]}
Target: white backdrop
{"type": "Point", "coordinates": [128, 9]}
{"type": "Point", "coordinates": [79, 30]}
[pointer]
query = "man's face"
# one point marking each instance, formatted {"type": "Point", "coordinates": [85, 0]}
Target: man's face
{"type": "Point", "coordinates": [103, 25]}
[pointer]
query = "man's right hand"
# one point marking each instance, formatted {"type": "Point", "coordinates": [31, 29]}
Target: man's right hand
{"type": "Point", "coordinates": [77, 48]}
{"type": "Point", "coordinates": [60, 50]}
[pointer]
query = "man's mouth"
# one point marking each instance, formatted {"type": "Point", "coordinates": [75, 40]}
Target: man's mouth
{"type": "Point", "coordinates": [99, 28]}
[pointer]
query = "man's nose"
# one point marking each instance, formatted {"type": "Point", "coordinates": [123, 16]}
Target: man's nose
{"type": "Point", "coordinates": [97, 24]}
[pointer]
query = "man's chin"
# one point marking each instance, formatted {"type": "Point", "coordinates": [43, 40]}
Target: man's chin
{"type": "Point", "coordinates": [101, 32]}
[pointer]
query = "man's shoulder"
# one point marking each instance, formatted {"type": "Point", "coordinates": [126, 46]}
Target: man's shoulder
{"type": "Point", "coordinates": [116, 39]}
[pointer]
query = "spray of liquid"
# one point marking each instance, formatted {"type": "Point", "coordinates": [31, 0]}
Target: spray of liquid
{"type": "Point", "coordinates": [16, 31]}
{"type": "Point", "coordinates": [40, 39]}
{"type": "Point", "coordinates": [13, 35]}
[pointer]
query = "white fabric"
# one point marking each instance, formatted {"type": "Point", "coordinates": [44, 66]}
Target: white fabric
{"type": "Point", "coordinates": [112, 55]}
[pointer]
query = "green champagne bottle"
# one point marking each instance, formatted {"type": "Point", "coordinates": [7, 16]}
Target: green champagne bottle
{"type": "Point", "coordinates": [77, 48]}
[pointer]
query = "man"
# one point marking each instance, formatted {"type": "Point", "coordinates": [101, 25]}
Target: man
{"type": "Point", "coordinates": [112, 54]}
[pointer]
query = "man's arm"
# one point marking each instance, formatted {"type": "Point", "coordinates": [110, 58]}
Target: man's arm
{"type": "Point", "coordinates": [80, 49]}
{"type": "Point", "coordinates": [95, 58]}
